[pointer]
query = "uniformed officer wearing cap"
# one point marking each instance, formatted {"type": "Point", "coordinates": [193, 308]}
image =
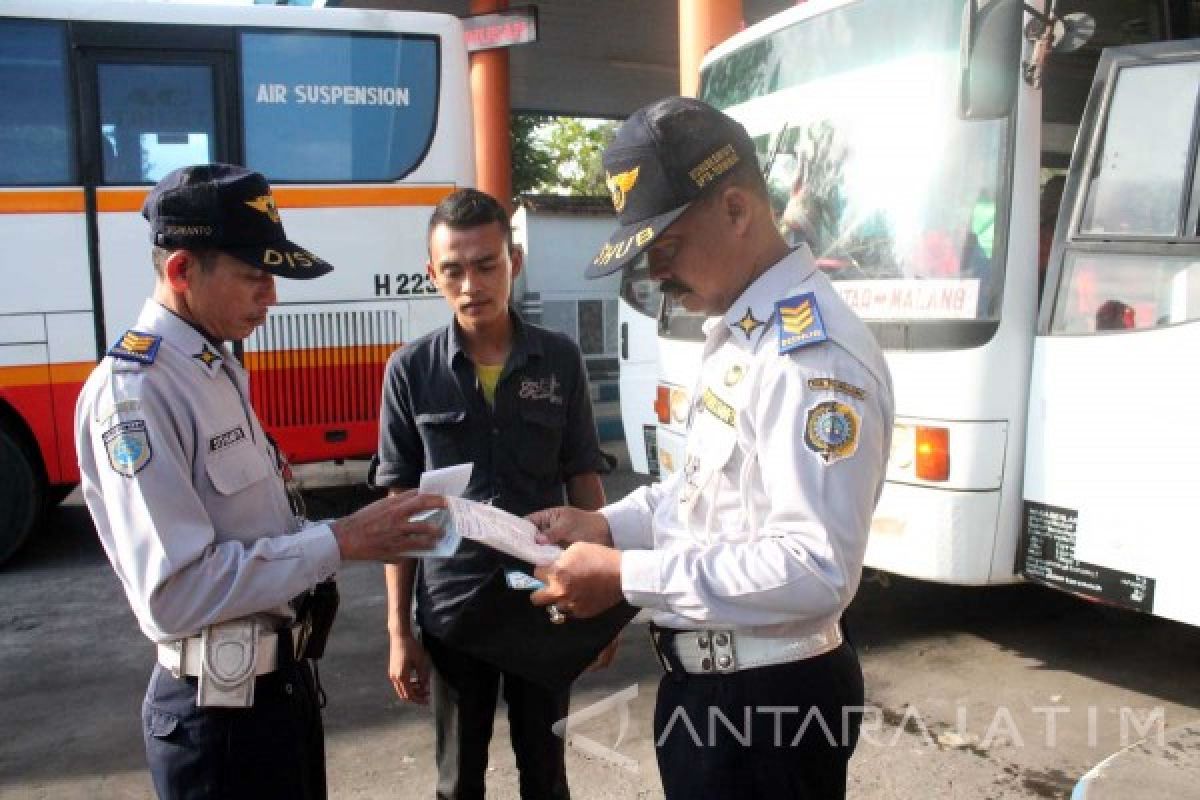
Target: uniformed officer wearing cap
{"type": "Point", "coordinates": [186, 493]}
{"type": "Point", "coordinates": [748, 556]}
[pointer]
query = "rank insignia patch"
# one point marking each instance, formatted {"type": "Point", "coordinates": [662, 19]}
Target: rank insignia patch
{"type": "Point", "coordinates": [800, 322]}
{"type": "Point", "coordinates": [128, 447]}
{"type": "Point", "coordinates": [207, 356]}
{"type": "Point", "coordinates": [831, 430]}
{"type": "Point", "coordinates": [136, 346]}
{"type": "Point", "coordinates": [748, 324]}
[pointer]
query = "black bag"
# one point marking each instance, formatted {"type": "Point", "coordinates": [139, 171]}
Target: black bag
{"type": "Point", "coordinates": [499, 625]}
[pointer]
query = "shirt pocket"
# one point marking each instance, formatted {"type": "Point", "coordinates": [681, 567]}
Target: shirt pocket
{"type": "Point", "coordinates": [442, 435]}
{"type": "Point", "coordinates": [538, 444]}
{"type": "Point", "coordinates": [236, 468]}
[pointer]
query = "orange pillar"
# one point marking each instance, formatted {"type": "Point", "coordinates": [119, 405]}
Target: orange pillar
{"type": "Point", "coordinates": [489, 99]}
{"type": "Point", "coordinates": [703, 24]}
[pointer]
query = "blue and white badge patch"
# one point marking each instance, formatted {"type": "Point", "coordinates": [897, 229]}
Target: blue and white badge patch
{"type": "Point", "coordinates": [128, 446]}
{"type": "Point", "coordinates": [136, 346]}
{"type": "Point", "coordinates": [800, 322]}
{"type": "Point", "coordinates": [831, 430]}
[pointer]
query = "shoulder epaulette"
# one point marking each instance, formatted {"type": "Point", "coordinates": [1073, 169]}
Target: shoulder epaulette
{"type": "Point", "coordinates": [136, 346]}
{"type": "Point", "coordinates": [800, 323]}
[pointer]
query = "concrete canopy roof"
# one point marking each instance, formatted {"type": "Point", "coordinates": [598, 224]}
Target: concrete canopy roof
{"type": "Point", "coordinates": [594, 58]}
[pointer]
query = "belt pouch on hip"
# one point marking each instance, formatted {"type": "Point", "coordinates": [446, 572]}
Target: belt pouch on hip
{"type": "Point", "coordinates": [230, 654]}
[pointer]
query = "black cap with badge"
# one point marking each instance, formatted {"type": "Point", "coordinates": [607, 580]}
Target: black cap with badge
{"type": "Point", "coordinates": [661, 159]}
{"type": "Point", "coordinates": [231, 209]}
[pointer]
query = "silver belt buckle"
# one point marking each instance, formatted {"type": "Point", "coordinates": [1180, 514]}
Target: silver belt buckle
{"type": "Point", "coordinates": [180, 648]}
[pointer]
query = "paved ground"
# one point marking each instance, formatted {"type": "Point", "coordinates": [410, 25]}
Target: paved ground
{"type": "Point", "coordinates": [998, 693]}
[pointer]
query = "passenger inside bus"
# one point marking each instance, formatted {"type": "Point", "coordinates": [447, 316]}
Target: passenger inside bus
{"type": "Point", "coordinates": [1052, 191]}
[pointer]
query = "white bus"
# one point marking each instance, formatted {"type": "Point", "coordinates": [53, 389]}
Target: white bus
{"type": "Point", "coordinates": [906, 144]}
{"type": "Point", "coordinates": [360, 119]}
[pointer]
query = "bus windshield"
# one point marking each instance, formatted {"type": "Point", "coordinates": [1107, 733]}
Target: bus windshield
{"type": "Point", "coordinates": [854, 114]}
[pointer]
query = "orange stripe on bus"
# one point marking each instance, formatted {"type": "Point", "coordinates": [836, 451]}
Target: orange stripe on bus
{"type": "Point", "coordinates": [41, 201]}
{"type": "Point", "coordinates": [304, 197]}
{"type": "Point", "coordinates": [319, 357]}
{"type": "Point", "coordinates": [43, 374]}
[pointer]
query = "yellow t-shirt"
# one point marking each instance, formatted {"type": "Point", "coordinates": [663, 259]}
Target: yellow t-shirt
{"type": "Point", "coordinates": [489, 376]}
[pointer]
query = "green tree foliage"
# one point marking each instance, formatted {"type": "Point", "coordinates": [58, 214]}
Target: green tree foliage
{"type": "Point", "coordinates": [559, 155]}
{"type": "Point", "coordinates": [531, 163]}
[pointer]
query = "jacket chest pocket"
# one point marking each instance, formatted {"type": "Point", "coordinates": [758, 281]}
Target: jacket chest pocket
{"type": "Point", "coordinates": [710, 445]}
{"type": "Point", "coordinates": [235, 468]}
{"type": "Point", "coordinates": [442, 435]}
{"type": "Point", "coordinates": [538, 444]}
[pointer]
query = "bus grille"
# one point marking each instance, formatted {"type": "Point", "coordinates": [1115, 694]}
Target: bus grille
{"type": "Point", "coordinates": [320, 368]}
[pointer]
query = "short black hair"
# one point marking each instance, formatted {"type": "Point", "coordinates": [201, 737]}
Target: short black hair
{"type": "Point", "coordinates": [469, 208]}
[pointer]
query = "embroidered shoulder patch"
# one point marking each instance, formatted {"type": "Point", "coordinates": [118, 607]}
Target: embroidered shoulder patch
{"type": "Point", "coordinates": [834, 385]}
{"type": "Point", "coordinates": [128, 446]}
{"type": "Point", "coordinates": [800, 322]}
{"type": "Point", "coordinates": [136, 346]}
{"type": "Point", "coordinates": [831, 430]}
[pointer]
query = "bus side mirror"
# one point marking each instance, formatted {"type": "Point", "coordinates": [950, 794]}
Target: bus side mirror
{"type": "Point", "coordinates": [990, 49]}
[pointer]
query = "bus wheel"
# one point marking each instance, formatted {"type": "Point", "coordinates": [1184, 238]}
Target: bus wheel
{"type": "Point", "coordinates": [22, 492]}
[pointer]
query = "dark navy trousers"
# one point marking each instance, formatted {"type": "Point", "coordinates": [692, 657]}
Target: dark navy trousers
{"type": "Point", "coordinates": [464, 693]}
{"type": "Point", "coordinates": [773, 732]}
{"type": "Point", "coordinates": [274, 749]}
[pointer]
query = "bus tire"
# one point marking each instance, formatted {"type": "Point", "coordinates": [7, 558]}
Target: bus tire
{"type": "Point", "coordinates": [22, 492]}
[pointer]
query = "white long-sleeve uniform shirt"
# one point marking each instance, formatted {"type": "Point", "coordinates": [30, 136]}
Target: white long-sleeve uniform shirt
{"type": "Point", "coordinates": [765, 527]}
{"type": "Point", "coordinates": [185, 489]}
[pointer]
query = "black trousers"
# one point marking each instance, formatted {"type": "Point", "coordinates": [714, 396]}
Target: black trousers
{"type": "Point", "coordinates": [464, 691]}
{"type": "Point", "coordinates": [275, 749]}
{"type": "Point", "coordinates": [784, 731]}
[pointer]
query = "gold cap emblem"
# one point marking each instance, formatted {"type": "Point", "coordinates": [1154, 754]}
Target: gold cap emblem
{"type": "Point", "coordinates": [620, 185]}
{"type": "Point", "coordinates": [265, 204]}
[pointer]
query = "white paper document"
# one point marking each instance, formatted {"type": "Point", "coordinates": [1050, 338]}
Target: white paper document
{"type": "Point", "coordinates": [500, 530]}
{"type": "Point", "coordinates": [451, 482]}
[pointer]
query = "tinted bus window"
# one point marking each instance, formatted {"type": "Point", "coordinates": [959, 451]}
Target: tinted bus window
{"type": "Point", "coordinates": [639, 290]}
{"type": "Point", "coordinates": [154, 118]}
{"type": "Point", "coordinates": [338, 107]}
{"type": "Point", "coordinates": [34, 132]}
{"type": "Point", "coordinates": [1141, 170]}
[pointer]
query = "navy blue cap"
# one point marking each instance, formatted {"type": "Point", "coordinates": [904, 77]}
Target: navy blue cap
{"type": "Point", "coordinates": [231, 209]}
{"type": "Point", "coordinates": [661, 159]}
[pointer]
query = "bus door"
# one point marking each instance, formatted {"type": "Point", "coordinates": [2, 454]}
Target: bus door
{"type": "Point", "coordinates": [637, 316]}
{"type": "Point", "coordinates": [1113, 446]}
{"type": "Point", "coordinates": [145, 109]}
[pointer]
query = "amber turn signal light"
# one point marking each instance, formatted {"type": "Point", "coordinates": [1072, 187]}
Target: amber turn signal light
{"type": "Point", "coordinates": [933, 453]}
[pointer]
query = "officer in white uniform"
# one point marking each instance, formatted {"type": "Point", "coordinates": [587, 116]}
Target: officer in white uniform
{"type": "Point", "coordinates": [186, 492]}
{"type": "Point", "coordinates": [749, 555]}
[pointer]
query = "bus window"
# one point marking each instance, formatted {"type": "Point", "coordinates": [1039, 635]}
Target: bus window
{"type": "Point", "coordinates": [639, 290]}
{"type": "Point", "coordinates": [337, 106]}
{"type": "Point", "coordinates": [855, 111]}
{"type": "Point", "coordinates": [676, 322]}
{"type": "Point", "coordinates": [154, 118]}
{"type": "Point", "coordinates": [1135, 188]}
{"type": "Point", "coordinates": [35, 141]}
{"type": "Point", "coordinates": [1114, 292]}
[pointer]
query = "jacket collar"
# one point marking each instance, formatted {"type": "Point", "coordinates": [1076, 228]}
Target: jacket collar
{"type": "Point", "coordinates": [751, 315]}
{"type": "Point", "coordinates": [185, 338]}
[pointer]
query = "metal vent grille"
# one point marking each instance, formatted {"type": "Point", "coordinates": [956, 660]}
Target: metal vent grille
{"type": "Point", "coordinates": [321, 368]}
